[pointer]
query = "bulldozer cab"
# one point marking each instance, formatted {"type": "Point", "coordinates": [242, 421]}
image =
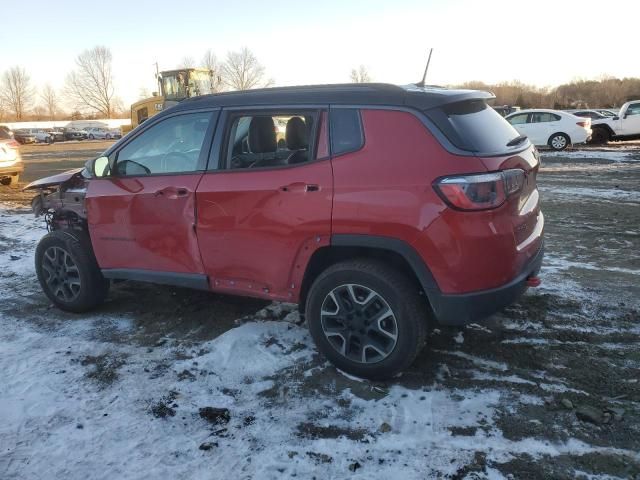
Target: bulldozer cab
{"type": "Point", "coordinates": [174, 86]}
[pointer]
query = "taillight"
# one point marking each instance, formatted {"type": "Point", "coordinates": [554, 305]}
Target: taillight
{"type": "Point", "coordinates": [13, 144]}
{"type": "Point", "coordinates": [582, 124]}
{"type": "Point", "coordinates": [480, 191]}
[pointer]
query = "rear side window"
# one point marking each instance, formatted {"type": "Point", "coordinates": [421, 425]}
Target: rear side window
{"type": "Point", "coordinates": [346, 130]}
{"type": "Point", "coordinates": [473, 126]}
{"type": "Point", "coordinates": [541, 117]}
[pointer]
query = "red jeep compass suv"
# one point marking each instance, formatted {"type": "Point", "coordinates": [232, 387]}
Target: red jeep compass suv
{"type": "Point", "coordinates": [377, 208]}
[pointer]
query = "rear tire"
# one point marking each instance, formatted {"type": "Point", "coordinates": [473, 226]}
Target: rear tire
{"type": "Point", "coordinates": [367, 318]}
{"type": "Point", "coordinates": [68, 272]}
{"type": "Point", "coordinates": [559, 141]}
{"type": "Point", "coordinates": [600, 136]}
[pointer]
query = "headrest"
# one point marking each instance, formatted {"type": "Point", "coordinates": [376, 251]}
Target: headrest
{"type": "Point", "coordinates": [262, 135]}
{"type": "Point", "coordinates": [296, 134]}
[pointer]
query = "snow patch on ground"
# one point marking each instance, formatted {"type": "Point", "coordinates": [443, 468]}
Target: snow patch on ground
{"type": "Point", "coordinates": [75, 406]}
{"type": "Point", "coordinates": [615, 155]}
{"type": "Point", "coordinates": [612, 194]}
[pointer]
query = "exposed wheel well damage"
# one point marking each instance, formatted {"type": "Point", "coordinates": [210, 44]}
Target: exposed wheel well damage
{"type": "Point", "coordinates": [62, 205]}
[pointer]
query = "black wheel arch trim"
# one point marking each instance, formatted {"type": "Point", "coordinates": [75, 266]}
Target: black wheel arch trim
{"type": "Point", "coordinates": [449, 309]}
{"type": "Point", "coordinates": [406, 251]}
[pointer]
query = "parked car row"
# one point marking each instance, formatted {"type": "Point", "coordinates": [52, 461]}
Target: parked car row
{"type": "Point", "coordinates": [51, 135]}
{"type": "Point", "coordinates": [558, 129]}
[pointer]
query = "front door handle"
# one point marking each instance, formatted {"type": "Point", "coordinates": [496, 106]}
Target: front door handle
{"type": "Point", "coordinates": [300, 187]}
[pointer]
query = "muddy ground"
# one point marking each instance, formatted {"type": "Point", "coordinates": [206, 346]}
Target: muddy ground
{"type": "Point", "coordinates": [563, 363]}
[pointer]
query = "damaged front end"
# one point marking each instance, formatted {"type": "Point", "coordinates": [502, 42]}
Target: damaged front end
{"type": "Point", "coordinates": [60, 200]}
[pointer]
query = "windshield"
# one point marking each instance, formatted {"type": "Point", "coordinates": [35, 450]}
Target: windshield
{"type": "Point", "coordinates": [184, 84]}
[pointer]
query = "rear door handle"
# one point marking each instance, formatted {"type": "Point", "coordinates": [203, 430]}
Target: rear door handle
{"type": "Point", "coordinates": [300, 187]}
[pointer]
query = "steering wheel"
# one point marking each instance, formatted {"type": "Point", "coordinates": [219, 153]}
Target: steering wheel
{"type": "Point", "coordinates": [170, 158]}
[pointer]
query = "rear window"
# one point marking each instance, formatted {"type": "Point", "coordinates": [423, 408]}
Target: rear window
{"type": "Point", "coordinates": [474, 126]}
{"type": "Point", "coordinates": [346, 130]}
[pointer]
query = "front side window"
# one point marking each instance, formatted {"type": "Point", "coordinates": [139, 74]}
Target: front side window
{"type": "Point", "coordinates": [170, 146]}
{"type": "Point", "coordinates": [263, 140]}
{"type": "Point", "coordinates": [634, 109]}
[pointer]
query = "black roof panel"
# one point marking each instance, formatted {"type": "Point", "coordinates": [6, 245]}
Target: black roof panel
{"type": "Point", "coordinates": [422, 98]}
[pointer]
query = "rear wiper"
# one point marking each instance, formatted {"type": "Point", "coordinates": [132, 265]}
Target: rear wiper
{"type": "Point", "coordinates": [517, 140]}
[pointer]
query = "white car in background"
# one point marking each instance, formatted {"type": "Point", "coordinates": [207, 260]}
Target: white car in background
{"type": "Point", "coordinates": [551, 128]}
{"type": "Point", "coordinates": [99, 132]}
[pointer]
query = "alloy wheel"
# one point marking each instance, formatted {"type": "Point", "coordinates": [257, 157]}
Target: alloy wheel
{"type": "Point", "coordinates": [359, 323]}
{"type": "Point", "coordinates": [61, 274]}
{"type": "Point", "coordinates": [559, 142]}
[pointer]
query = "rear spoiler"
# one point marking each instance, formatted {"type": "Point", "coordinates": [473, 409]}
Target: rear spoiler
{"type": "Point", "coordinates": [437, 96]}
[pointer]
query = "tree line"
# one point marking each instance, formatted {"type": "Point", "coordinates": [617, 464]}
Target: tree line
{"type": "Point", "coordinates": [89, 89]}
{"type": "Point", "coordinates": [606, 92]}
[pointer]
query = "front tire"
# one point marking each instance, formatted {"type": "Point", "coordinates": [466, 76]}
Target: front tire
{"type": "Point", "coordinates": [559, 141]}
{"type": "Point", "coordinates": [599, 136]}
{"type": "Point", "coordinates": [68, 272]}
{"type": "Point", "coordinates": [367, 318]}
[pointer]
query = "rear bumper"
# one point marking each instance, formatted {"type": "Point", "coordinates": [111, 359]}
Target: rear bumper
{"type": "Point", "coordinates": [462, 309]}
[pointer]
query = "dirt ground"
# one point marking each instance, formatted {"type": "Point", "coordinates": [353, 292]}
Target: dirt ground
{"type": "Point", "coordinates": [563, 363]}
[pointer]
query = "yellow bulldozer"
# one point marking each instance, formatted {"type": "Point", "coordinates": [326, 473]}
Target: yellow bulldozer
{"type": "Point", "coordinates": [174, 86]}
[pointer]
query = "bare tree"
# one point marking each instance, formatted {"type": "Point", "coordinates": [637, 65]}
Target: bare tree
{"type": "Point", "coordinates": [187, 62]}
{"type": "Point", "coordinates": [39, 112]}
{"type": "Point", "coordinates": [90, 85]}
{"type": "Point", "coordinates": [242, 71]}
{"type": "Point", "coordinates": [50, 99]}
{"type": "Point", "coordinates": [16, 91]}
{"type": "Point", "coordinates": [360, 75]}
{"type": "Point", "coordinates": [210, 62]}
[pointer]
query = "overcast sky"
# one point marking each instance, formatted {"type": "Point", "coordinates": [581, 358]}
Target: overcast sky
{"type": "Point", "coordinates": [543, 42]}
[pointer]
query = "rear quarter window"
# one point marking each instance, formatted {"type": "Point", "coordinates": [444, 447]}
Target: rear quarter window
{"type": "Point", "coordinates": [473, 126]}
{"type": "Point", "coordinates": [345, 130]}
